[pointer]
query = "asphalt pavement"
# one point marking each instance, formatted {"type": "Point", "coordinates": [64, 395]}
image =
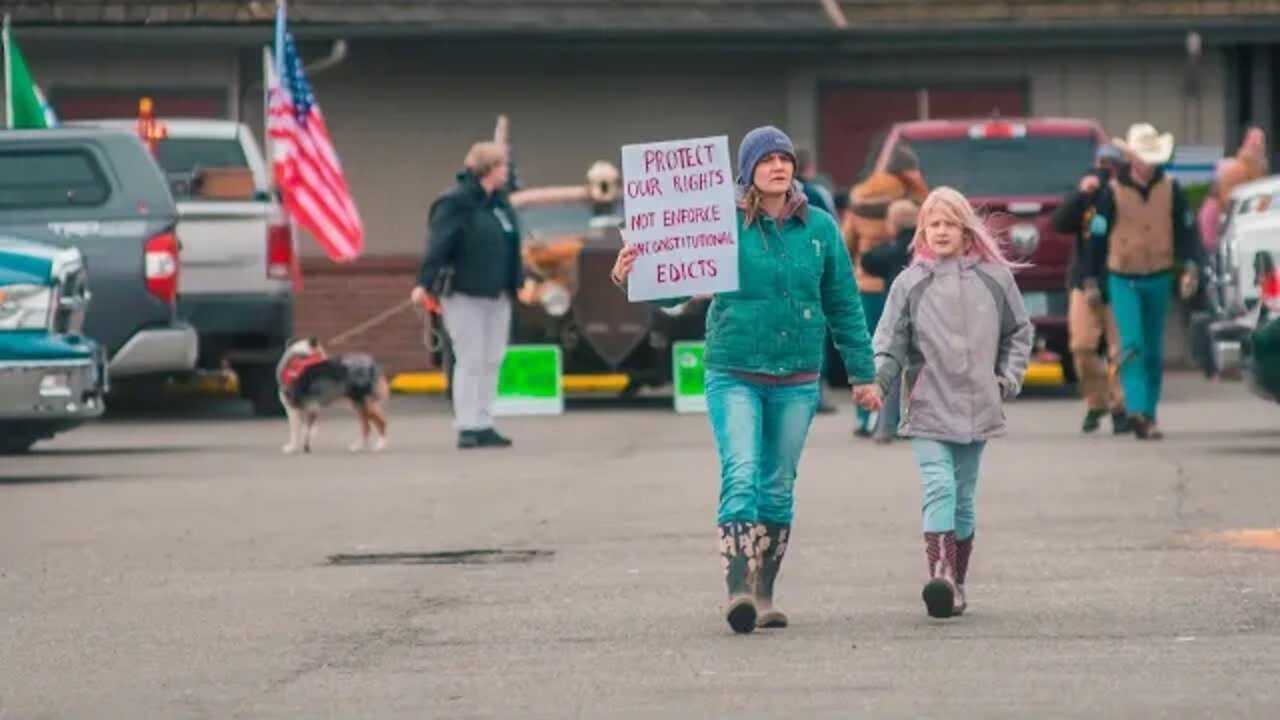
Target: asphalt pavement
{"type": "Point", "coordinates": [175, 564]}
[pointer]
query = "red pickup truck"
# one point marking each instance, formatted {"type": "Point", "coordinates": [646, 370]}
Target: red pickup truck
{"type": "Point", "coordinates": [1017, 170]}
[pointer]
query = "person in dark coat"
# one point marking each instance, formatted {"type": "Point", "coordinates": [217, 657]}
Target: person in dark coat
{"type": "Point", "coordinates": [473, 270]}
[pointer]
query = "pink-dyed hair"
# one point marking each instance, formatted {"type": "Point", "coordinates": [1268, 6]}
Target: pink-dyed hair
{"type": "Point", "coordinates": [954, 206]}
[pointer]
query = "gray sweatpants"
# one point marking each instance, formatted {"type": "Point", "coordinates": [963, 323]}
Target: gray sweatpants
{"type": "Point", "coordinates": [479, 328]}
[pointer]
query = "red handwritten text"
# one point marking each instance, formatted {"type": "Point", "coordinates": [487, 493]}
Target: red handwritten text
{"type": "Point", "coordinates": [651, 187]}
{"type": "Point", "coordinates": [696, 182]}
{"type": "Point", "coordinates": [691, 270]}
{"type": "Point", "coordinates": [682, 216]}
{"type": "Point", "coordinates": [680, 158]}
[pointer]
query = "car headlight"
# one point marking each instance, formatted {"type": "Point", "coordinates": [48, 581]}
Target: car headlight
{"type": "Point", "coordinates": [25, 307]}
{"type": "Point", "coordinates": [555, 299]}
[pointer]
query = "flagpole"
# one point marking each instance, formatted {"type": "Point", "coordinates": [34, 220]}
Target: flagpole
{"type": "Point", "coordinates": [7, 40]}
{"type": "Point", "coordinates": [266, 116]}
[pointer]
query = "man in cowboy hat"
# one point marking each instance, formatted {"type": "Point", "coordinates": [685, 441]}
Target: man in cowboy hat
{"type": "Point", "coordinates": [1090, 320]}
{"type": "Point", "coordinates": [1142, 231]}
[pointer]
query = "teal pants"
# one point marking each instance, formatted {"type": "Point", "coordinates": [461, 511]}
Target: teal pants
{"type": "Point", "coordinates": [1140, 304]}
{"type": "Point", "coordinates": [760, 431]}
{"type": "Point", "coordinates": [949, 472]}
{"type": "Point", "coordinates": [872, 308]}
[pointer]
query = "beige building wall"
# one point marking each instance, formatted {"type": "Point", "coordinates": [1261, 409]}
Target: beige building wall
{"type": "Point", "coordinates": [402, 115]}
{"type": "Point", "coordinates": [402, 120]}
{"type": "Point", "coordinates": [1117, 87]}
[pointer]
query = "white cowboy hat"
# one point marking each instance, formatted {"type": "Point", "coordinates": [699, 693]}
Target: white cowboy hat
{"type": "Point", "coordinates": [1144, 143]}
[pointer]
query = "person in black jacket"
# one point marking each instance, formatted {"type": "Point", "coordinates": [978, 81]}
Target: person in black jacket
{"type": "Point", "coordinates": [1089, 317]}
{"type": "Point", "coordinates": [473, 269]}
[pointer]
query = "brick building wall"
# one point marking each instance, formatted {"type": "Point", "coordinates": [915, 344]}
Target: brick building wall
{"type": "Point", "coordinates": [337, 298]}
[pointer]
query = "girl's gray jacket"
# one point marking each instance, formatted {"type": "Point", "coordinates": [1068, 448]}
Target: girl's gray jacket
{"type": "Point", "coordinates": [957, 332]}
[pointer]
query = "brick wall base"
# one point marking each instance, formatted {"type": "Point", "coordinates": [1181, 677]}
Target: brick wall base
{"type": "Point", "coordinates": [336, 298]}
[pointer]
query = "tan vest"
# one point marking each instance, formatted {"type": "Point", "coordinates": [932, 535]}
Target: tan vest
{"type": "Point", "coordinates": [1142, 239]}
{"type": "Point", "coordinates": [868, 233]}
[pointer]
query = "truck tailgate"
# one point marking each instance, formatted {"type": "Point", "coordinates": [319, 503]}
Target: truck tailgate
{"type": "Point", "coordinates": [224, 247]}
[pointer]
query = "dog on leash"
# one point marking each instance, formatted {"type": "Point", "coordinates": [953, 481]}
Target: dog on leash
{"type": "Point", "coordinates": [311, 380]}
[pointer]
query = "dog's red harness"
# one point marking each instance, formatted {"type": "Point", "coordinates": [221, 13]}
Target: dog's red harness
{"type": "Point", "coordinates": [295, 366]}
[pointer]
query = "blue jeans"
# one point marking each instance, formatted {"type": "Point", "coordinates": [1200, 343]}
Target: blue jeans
{"type": "Point", "coordinates": [950, 474]}
{"type": "Point", "coordinates": [760, 430]}
{"type": "Point", "coordinates": [1140, 305]}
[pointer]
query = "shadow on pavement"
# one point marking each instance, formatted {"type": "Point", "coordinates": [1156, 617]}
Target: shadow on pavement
{"type": "Point", "coordinates": [1258, 450]}
{"type": "Point", "coordinates": [47, 479]}
{"type": "Point", "coordinates": [102, 451]}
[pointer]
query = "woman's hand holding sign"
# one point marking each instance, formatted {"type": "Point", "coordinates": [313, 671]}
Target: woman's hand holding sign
{"type": "Point", "coordinates": [622, 266]}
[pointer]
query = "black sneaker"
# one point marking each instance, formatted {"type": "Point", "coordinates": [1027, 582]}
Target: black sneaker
{"type": "Point", "coordinates": [468, 439]}
{"type": "Point", "coordinates": [1120, 423]}
{"type": "Point", "coordinates": [1092, 419]}
{"type": "Point", "coordinates": [490, 438]}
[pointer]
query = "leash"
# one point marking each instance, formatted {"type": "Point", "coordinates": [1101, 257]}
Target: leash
{"type": "Point", "coordinates": [371, 322]}
{"type": "Point", "coordinates": [431, 335]}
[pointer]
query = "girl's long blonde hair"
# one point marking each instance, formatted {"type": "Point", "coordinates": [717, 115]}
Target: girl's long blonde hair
{"type": "Point", "coordinates": [954, 206]}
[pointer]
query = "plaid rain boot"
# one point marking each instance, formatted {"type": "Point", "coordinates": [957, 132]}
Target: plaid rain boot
{"type": "Point", "coordinates": [964, 548]}
{"type": "Point", "coordinates": [739, 559]}
{"type": "Point", "coordinates": [771, 546]}
{"type": "Point", "coordinates": [939, 593]}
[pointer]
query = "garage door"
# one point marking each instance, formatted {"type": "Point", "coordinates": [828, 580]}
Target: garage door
{"type": "Point", "coordinates": [93, 104]}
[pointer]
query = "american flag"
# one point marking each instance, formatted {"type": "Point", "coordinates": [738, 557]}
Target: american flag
{"type": "Point", "coordinates": [307, 169]}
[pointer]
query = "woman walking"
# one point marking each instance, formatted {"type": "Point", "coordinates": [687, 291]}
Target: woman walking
{"type": "Point", "coordinates": [955, 325]}
{"type": "Point", "coordinates": [764, 346]}
{"type": "Point", "coordinates": [472, 269]}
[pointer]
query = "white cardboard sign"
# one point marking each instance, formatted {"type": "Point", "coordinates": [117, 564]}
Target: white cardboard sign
{"type": "Point", "coordinates": [681, 215]}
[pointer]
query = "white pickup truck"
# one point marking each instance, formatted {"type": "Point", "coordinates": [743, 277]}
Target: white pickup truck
{"type": "Point", "coordinates": [238, 253]}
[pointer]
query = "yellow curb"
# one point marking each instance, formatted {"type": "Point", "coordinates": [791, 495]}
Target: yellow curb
{"type": "Point", "coordinates": [1252, 538]}
{"type": "Point", "coordinates": [424, 383]}
{"type": "Point", "coordinates": [1044, 374]}
{"type": "Point", "coordinates": [433, 383]}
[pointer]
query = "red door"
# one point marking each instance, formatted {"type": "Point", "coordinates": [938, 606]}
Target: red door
{"type": "Point", "coordinates": [852, 119]}
{"type": "Point", "coordinates": [98, 104]}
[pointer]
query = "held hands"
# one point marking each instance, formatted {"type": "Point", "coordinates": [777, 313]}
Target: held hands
{"type": "Point", "coordinates": [1190, 284]}
{"type": "Point", "coordinates": [1092, 293]}
{"type": "Point", "coordinates": [1088, 183]}
{"type": "Point", "coordinates": [867, 397]}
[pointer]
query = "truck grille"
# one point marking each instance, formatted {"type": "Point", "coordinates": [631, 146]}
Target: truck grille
{"type": "Point", "coordinates": [612, 325]}
{"type": "Point", "coordinates": [72, 299]}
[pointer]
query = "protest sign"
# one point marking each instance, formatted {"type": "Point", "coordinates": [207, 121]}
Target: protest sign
{"type": "Point", "coordinates": [687, 376]}
{"type": "Point", "coordinates": [530, 381]}
{"type": "Point", "coordinates": [680, 216]}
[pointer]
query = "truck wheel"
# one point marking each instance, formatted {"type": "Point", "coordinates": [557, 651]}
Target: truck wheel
{"type": "Point", "coordinates": [16, 445]}
{"type": "Point", "coordinates": [258, 386]}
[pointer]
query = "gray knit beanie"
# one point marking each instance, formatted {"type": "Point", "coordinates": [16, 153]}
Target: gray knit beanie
{"type": "Point", "coordinates": [756, 145]}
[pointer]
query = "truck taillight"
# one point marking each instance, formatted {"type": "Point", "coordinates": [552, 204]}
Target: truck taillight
{"type": "Point", "coordinates": [997, 130]}
{"type": "Point", "coordinates": [279, 252]}
{"type": "Point", "coordinates": [1270, 291]}
{"type": "Point", "coordinates": [160, 263]}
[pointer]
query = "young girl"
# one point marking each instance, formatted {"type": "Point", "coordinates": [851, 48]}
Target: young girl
{"type": "Point", "coordinates": [955, 327]}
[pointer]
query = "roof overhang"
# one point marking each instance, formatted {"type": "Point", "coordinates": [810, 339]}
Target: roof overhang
{"type": "Point", "coordinates": [902, 38]}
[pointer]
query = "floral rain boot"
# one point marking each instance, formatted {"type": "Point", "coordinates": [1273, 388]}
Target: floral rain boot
{"type": "Point", "coordinates": [740, 562]}
{"type": "Point", "coordinates": [964, 548]}
{"type": "Point", "coordinates": [939, 593]}
{"type": "Point", "coordinates": [771, 546]}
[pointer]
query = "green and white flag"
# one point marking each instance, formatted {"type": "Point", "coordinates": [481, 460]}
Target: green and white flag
{"type": "Point", "coordinates": [24, 104]}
